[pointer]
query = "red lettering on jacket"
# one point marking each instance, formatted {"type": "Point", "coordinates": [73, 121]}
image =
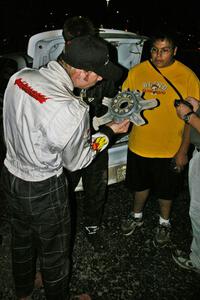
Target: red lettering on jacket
{"type": "Point", "coordinates": [30, 91]}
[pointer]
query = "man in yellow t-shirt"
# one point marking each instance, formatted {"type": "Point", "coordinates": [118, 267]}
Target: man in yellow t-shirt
{"type": "Point", "coordinates": [163, 139]}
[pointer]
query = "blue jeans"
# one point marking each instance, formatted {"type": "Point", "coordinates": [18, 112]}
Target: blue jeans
{"type": "Point", "coordinates": [40, 226]}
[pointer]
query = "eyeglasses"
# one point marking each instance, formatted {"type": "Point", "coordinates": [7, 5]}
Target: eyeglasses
{"type": "Point", "coordinates": [161, 51]}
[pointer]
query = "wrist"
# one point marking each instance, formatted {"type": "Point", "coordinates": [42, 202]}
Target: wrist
{"type": "Point", "coordinates": [187, 116]}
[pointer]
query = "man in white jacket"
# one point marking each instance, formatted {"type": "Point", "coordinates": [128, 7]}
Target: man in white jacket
{"type": "Point", "coordinates": [46, 128]}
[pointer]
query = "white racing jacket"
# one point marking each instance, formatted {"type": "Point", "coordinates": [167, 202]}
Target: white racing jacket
{"type": "Point", "coordinates": [46, 126]}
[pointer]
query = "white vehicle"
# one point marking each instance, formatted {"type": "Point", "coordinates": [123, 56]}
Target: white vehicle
{"type": "Point", "coordinates": [46, 46]}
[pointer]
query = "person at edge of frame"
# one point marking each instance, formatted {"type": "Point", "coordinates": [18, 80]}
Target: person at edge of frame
{"type": "Point", "coordinates": [191, 115]}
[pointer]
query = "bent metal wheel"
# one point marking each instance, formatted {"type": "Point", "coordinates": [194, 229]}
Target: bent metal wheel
{"type": "Point", "coordinates": [125, 105]}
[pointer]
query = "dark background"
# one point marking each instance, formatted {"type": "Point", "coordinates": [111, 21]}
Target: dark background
{"type": "Point", "coordinates": [21, 19]}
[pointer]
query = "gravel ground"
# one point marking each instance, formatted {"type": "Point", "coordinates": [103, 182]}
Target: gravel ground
{"type": "Point", "coordinates": [129, 268]}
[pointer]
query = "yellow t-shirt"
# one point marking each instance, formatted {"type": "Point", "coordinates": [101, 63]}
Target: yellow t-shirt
{"type": "Point", "coordinates": [162, 135]}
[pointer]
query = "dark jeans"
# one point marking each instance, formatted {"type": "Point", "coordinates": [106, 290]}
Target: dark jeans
{"type": "Point", "coordinates": [95, 180]}
{"type": "Point", "coordinates": [40, 226]}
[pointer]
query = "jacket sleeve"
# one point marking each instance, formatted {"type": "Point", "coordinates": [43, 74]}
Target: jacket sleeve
{"type": "Point", "coordinates": [77, 153]}
{"type": "Point", "coordinates": [83, 147]}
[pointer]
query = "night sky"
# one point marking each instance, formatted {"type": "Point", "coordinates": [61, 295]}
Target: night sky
{"type": "Point", "coordinates": [21, 19]}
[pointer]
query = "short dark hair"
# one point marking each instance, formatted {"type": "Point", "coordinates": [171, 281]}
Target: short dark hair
{"type": "Point", "coordinates": [163, 36]}
{"type": "Point", "coordinates": [78, 26]}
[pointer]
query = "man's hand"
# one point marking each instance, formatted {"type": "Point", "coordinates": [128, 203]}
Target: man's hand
{"type": "Point", "coordinates": [195, 103]}
{"type": "Point", "coordinates": [121, 127]}
{"type": "Point", "coordinates": [181, 160]}
{"type": "Point", "coordinates": [182, 109]}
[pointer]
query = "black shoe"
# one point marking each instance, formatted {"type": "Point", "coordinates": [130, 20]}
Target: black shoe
{"type": "Point", "coordinates": [163, 236]}
{"type": "Point", "coordinates": [130, 224]}
{"type": "Point", "coordinates": [95, 237]}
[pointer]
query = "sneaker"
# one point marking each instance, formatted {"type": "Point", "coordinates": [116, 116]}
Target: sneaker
{"type": "Point", "coordinates": [183, 260]}
{"type": "Point", "coordinates": [95, 237]}
{"type": "Point", "coordinates": [130, 224]}
{"type": "Point", "coordinates": [91, 229]}
{"type": "Point", "coordinates": [162, 236]}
